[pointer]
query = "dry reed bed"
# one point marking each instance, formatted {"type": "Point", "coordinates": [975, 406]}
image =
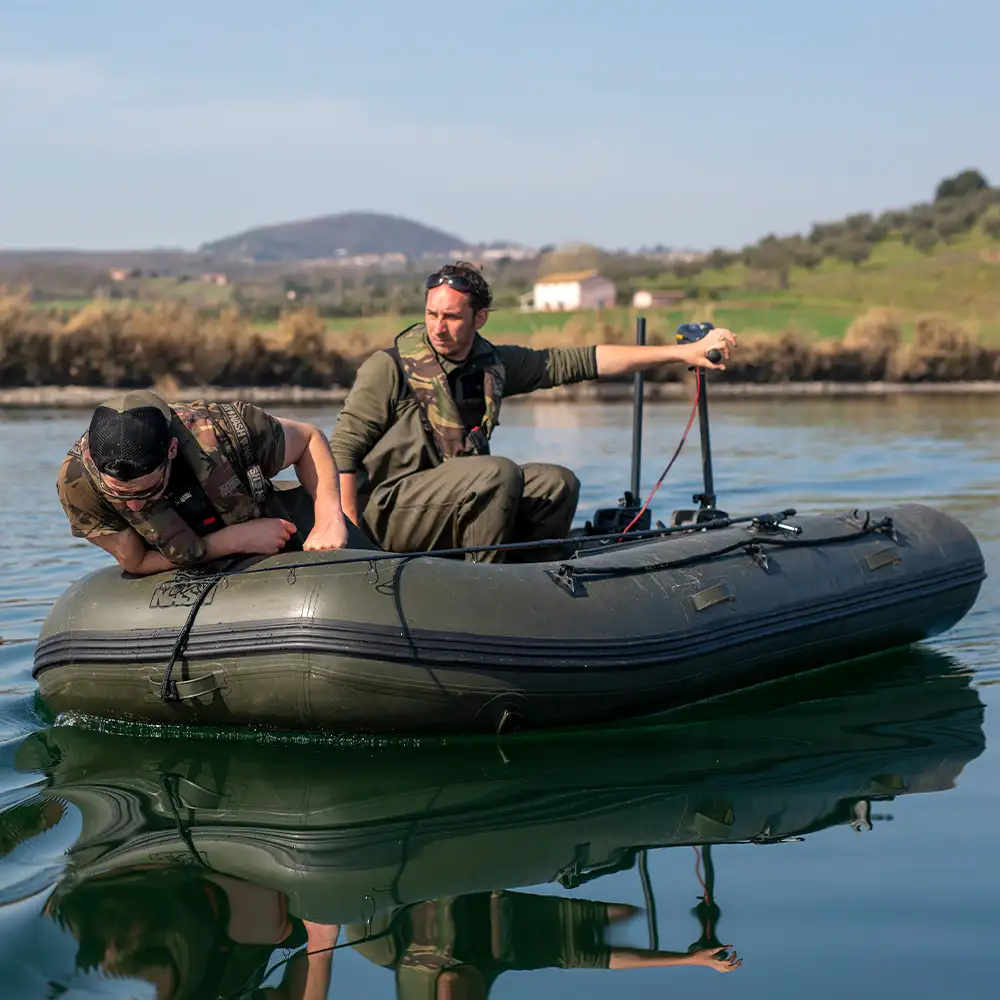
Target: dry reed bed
{"type": "Point", "coordinates": [171, 345]}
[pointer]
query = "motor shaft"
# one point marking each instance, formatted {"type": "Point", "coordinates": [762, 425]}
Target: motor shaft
{"type": "Point", "coordinates": [637, 404]}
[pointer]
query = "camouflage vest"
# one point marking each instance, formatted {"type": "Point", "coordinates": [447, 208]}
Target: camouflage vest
{"type": "Point", "coordinates": [214, 466]}
{"type": "Point", "coordinates": [429, 385]}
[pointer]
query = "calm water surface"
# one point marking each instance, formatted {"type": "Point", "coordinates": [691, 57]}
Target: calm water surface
{"type": "Point", "coordinates": [839, 831]}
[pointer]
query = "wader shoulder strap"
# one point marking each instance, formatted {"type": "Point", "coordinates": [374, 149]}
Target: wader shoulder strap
{"type": "Point", "coordinates": [405, 392]}
{"type": "Point", "coordinates": [255, 476]}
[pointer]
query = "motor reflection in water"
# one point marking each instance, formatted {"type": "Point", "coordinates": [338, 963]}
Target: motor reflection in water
{"type": "Point", "coordinates": [215, 868]}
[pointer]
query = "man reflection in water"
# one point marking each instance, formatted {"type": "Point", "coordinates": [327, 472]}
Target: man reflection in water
{"type": "Point", "coordinates": [192, 934]}
{"type": "Point", "coordinates": [456, 948]}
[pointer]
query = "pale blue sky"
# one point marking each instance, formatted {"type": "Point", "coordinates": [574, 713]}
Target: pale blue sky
{"type": "Point", "coordinates": [691, 124]}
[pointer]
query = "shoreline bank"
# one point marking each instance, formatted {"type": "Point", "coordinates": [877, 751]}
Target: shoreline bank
{"type": "Point", "coordinates": [84, 397]}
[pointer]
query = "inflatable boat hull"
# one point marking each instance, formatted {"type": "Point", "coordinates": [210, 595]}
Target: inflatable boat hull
{"type": "Point", "coordinates": [335, 641]}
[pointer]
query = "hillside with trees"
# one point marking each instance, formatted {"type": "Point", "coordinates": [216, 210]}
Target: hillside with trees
{"type": "Point", "coordinates": [346, 234]}
{"type": "Point", "coordinates": [961, 205]}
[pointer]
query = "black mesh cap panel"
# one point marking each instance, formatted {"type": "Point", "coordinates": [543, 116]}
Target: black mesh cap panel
{"type": "Point", "coordinates": [127, 445]}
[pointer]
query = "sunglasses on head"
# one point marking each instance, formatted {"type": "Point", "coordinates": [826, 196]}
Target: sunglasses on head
{"type": "Point", "coordinates": [457, 281]}
{"type": "Point", "coordinates": [144, 494]}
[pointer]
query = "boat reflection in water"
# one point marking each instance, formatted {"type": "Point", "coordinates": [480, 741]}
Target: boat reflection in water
{"type": "Point", "coordinates": [200, 862]}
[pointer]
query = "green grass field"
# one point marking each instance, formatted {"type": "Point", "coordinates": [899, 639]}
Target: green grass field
{"type": "Point", "coordinates": [811, 322]}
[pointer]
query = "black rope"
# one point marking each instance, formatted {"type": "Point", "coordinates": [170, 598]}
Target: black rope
{"type": "Point", "coordinates": [577, 542]}
{"type": "Point", "coordinates": [168, 689]}
{"type": "Point", "coordinates": [168, 782]}
{"type": "Point", "coordinates": [748, 546]}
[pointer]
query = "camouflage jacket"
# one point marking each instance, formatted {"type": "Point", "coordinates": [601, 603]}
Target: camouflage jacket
{"type": "Point", "coordinates": [232, 450]}
{"type": "Point", "coordinates": [429, 385]}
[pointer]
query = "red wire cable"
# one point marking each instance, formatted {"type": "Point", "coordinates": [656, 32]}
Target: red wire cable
{"type": "Point", "coordinates": [697, 871]}
{"type": "Point", "coordinates": [684, 436]}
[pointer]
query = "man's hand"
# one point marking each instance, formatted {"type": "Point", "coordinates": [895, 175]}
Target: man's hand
{"type": "Point", "coordinates": [328, 533]}
{"type": "Point", "coordinates": [263, 536]}
{"type": "Point", "coordinates": [714, 340]}
{"type": "Point", "coordinates": [715, 958]}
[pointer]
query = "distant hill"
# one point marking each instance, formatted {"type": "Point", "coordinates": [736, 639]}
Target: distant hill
{"type": "Point", "coordinates": [348, 233]}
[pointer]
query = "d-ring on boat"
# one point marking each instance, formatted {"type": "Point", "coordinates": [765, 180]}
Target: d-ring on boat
{"type": "Point", "coordinates": [636, 618]}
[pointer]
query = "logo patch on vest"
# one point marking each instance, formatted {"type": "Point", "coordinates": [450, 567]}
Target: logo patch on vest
{"type": "Point", "coordinates": [230, 486]}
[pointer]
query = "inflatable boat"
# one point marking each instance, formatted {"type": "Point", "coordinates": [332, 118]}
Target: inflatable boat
{"type": "Point", "coordinates": [635, 617]}
{"type": "Point", "coordinates": [432, 645]}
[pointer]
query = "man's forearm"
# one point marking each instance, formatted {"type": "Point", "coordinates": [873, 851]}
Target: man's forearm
{"type": "Point", "coordinates": [132, 553]}
{"type": "Point", "coordinates": [626, 359]}
{"type": "Point", "coordinates": [153, 562]}
{"type": "Point", "coordinates": [226, 541]}
{"type": "Point", "coordinates": [317, 472]}
{"type": "Point", "coordinates": [641, 958]}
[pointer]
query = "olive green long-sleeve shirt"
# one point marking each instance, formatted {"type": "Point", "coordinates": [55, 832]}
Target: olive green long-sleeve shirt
{"type": "Point", "coordinates": [379, 432]}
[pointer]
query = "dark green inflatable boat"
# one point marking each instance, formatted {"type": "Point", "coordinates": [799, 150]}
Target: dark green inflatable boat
{"type": "Point", "coordinates": [354, 642]}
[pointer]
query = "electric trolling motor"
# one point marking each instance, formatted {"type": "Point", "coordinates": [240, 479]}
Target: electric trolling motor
{"type": "Point", "coordinates": [689, 333]}
{"type": "Point", "coordinates": [608, 520]}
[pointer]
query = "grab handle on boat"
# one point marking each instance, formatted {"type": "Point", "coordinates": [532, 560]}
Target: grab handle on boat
{"type": "Point", "coordinates": [194, 687]}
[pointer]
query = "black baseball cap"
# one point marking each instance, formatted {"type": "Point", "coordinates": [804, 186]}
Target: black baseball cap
{"type": "Point", "coordinates": [129, 434]}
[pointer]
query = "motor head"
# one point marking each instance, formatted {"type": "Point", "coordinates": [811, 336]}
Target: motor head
{"type": "Point", "coordinates": [690, 333]}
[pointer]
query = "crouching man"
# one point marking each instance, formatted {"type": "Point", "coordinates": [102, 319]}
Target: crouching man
{"type": "Point", "coordinates": [164, 486]}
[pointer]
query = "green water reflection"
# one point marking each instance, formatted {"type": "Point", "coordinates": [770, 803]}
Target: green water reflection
{"type": "Point", "coordinates": [199, 863]}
